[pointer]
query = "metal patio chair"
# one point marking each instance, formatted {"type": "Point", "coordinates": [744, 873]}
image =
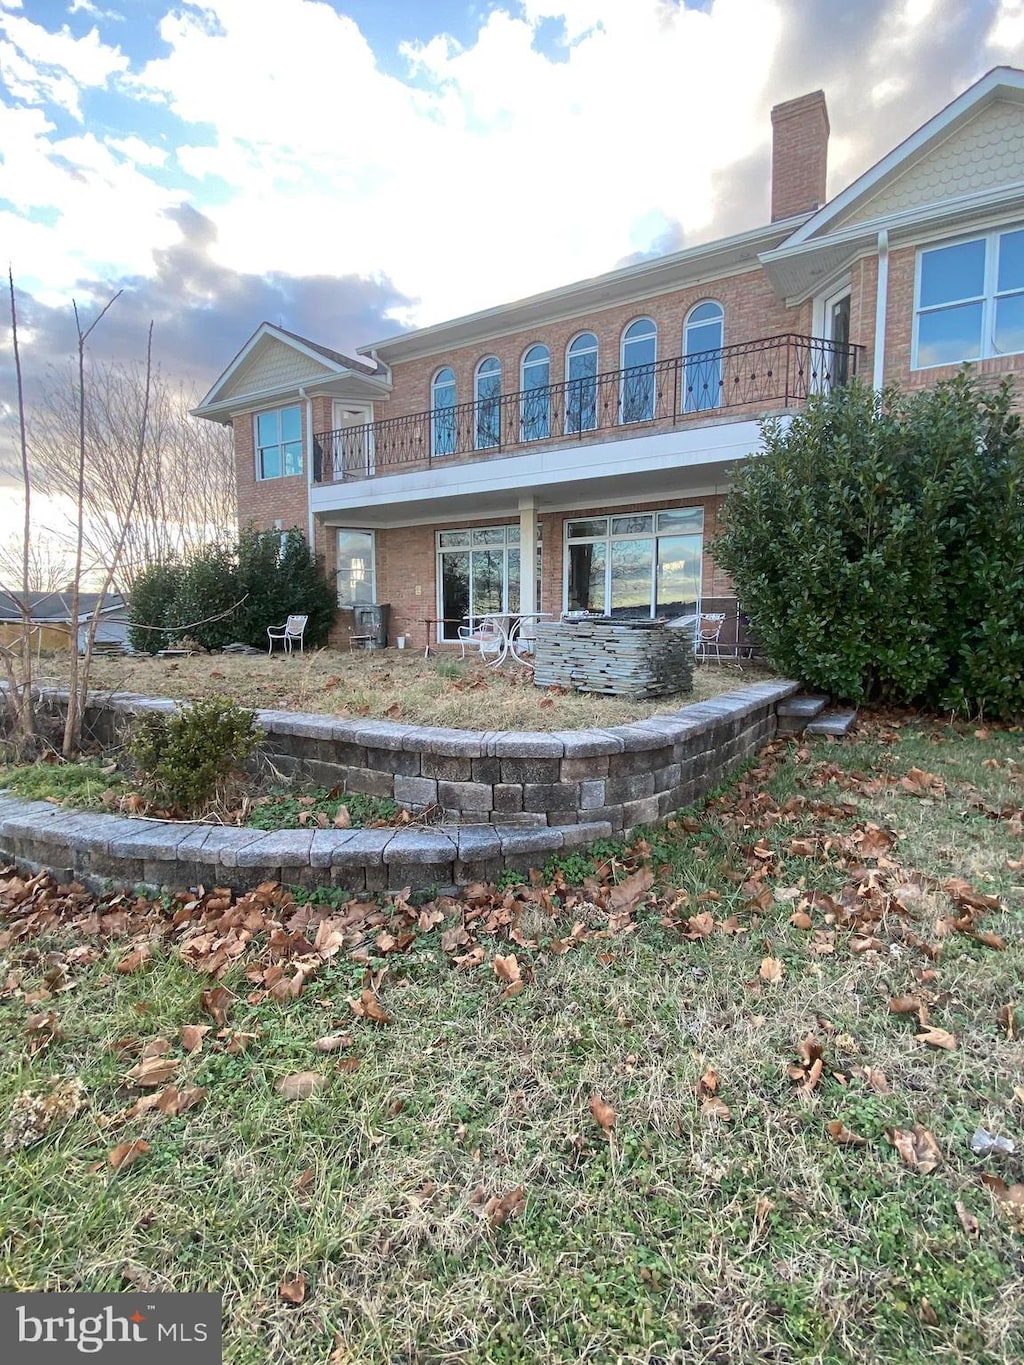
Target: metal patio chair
{"type": "Point", "coordinates": [293, 629]}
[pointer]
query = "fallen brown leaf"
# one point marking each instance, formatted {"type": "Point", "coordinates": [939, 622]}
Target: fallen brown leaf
{"type": "Point", "coordinates": [216, 1003]}
{"type": "Point", "coordinates": [604, 1114]}
{"type": "Point", "coordinates": [126, 1153]}
{"type": "Point", "coordinates": [843, 1136]}
{"type": "Point", "coordinates": [938, 1037]}
{"type": "Point", "coordinates": [292, 1288]}
{"type": "Point", "coordinates": [918, 1149]}
{"type": "Point", "coordinates": [771, 970]}
{"type": "Point", "coordinates": [300, 1085]}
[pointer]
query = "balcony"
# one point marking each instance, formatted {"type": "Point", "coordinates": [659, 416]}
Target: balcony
{"type": "Point", "coordinates": [749, 380]}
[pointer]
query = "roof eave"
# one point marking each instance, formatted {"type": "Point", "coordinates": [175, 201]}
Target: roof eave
{"type": "Point", "coordinates": [719, 257]}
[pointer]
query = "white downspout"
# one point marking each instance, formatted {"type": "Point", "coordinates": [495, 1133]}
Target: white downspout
{"type": "Point", "coordinates": [881, 298]}
{"type": "Point", "coordinates": [309, 467]}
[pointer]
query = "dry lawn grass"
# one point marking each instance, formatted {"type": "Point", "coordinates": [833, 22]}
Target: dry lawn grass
{"type": "Point", "coordinates": [674, 1232]}
{"type": "Point", "coordinates": [393, 685]}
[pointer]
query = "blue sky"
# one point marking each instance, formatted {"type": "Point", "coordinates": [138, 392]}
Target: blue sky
{"type": "Point", "coordinates": [352, 168]}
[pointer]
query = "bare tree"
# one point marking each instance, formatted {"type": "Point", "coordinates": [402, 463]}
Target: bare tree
{"type": "Point", "coordinates": [186, 493]}
{"type": "Point", "coordinates": [17, 661]}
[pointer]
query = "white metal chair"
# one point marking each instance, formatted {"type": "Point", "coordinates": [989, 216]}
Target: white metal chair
{"type": "Point", "coordinates": [489, 636]}
{"type": "Point", "coordinates": [709, 628]}
{"type": "Point", "coordinates": [293, 629]}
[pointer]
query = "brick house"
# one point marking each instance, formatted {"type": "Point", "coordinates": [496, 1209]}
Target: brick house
{"type": "Point", "coordinates": [598, 423]}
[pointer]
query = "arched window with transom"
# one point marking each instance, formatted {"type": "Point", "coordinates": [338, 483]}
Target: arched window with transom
{"type": "Point", "coordinates": [639, 355]}
{"type": "Point", "coordinates": [581, 383]}
{"type": "Point", "coordinates": [442, 415]}
{"type": "Point", "coordinates": [702, 347]}
{"type": "Point", "coordinates": [535, 388]}
{"type": "Point", "coordinates": [488, 403]}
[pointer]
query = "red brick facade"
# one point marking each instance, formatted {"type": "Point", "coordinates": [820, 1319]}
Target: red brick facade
{"type": "Point", "coordinates": [760, 299]}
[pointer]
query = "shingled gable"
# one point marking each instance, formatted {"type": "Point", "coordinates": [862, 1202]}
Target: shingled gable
{"type": "Point", "coordinates": [967, 156]}
{"type": "Point", "coordinates": [274, 360]}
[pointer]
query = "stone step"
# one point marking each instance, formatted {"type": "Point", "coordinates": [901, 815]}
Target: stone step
{"type": "Point", "coordinates": [795, 712]}
{"type": "Point", "coordinates": [834, 723]}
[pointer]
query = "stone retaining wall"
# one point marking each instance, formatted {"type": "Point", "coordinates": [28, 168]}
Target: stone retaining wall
{"type": "Point", "coordinates": [509, 799]}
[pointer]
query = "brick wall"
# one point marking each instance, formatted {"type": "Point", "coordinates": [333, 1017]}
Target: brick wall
{"type": "Point", "coordinates": [264, 501]}
{"type": "Point", "coordinates": [751, 311]}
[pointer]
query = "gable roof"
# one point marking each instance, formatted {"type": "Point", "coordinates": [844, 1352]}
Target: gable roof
{"type": "Point", "coordinates": [1002, 82]}
{"type": "Point", "coordinates": [255, 374]}
{"type": "Point", "coordinates": [907, 188]}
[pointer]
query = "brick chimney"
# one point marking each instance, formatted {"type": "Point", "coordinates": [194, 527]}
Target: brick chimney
{"type": "Point", "coordinates": [799, 155]}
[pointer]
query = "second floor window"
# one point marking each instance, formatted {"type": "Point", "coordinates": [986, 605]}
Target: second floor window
{"type": "Point", "coordinates": [639, 352]}
{"type": "Point", "coordinates": [488, 403]}
{"type": "Point", "coordinates": [278, 443]}
{"type": "Point", "coordinates": [970, 300]}
{"type": "Point", "coordinates": [702, 346]}
{"type": "Point", "coordinates": [442, 417]}
{"type": "Point", "coordinates": [581, 384]}
{"type": "Point", "coordinates": [535, 418]}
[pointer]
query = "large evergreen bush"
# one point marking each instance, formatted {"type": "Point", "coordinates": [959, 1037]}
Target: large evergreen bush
{"type": "Point", "coordinates": [226, 593]}
{"type": "Point", "coordinates": [150, 607]}
{"type": "Point", "coordinates": [877, 545]}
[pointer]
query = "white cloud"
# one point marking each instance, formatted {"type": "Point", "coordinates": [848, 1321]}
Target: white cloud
{"type": "Point", "coordinates": [337, 166]}
{"type": "Point", "coordinates": [41, 66]}
{"type": "Point", "coordinates": [1006, 36]}
{"type": "Point", "coordinates": [489, 173]}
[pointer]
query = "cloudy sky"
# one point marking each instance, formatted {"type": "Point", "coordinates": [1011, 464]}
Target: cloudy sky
{"type": "Point", "coordinates": [352, 167]}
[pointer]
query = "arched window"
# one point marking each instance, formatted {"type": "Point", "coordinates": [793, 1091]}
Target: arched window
{"type": "Point", "coordinates": [702, 347]}
{"type": "Point", "coordinates": [488, 403]}
{"type": "Point", "coordinates": [581, 383]}
{"type": "Point", "coordinates": [639, 353]}
{"type": "Point", "coordinates": [442, 417]}
{"type": "Point", "coordinates": [535, 415]}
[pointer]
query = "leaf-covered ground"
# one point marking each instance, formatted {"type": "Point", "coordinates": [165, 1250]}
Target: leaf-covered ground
{"type": "Point", "coordinates": [710, 1098]}
{"type": "Point", "coordinates": [393, 685]}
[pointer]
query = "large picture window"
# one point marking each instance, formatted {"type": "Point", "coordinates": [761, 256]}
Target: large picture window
{"type": "Point", "coordinates": [478, 573]}
{"type": "Point", "coordinates": [970, 300]}
{"type": "Point", "coordinates": [356, 568]}
{"type": "Point", "coordinates": [278, 443]}
{"type": "Point", "coordinates": [637, 564]}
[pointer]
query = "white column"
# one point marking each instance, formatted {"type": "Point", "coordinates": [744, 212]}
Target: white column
{"type": "Point", "coordinates": [528, 559]}
{"type": "Point", "coordinates": [881, 297]}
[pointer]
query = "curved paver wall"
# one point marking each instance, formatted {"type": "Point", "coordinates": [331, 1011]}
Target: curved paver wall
{"type": "Point", "coordinates": [508, 799]}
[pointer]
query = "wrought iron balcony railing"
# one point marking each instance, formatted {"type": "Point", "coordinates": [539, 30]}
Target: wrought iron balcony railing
{"type": "Point", "coordinates": [771, 374]}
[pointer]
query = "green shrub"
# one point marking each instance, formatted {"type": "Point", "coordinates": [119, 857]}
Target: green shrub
{"type": "Point", "coordinates": [877, 544]}
{"type": "Point", "coordinates": [151, 606]}
{"type": "Point", "coordinates": [184, 755]}
{"type": "Point", "coordinates": [226, 593]}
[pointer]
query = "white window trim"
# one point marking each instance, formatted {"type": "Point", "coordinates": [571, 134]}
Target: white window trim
{"type": "Point", "coordinates": [987, 298]}
{"type": "Point", "coordinates": [654, 534]}
{"type": "Point", "coordinates": [362, 531]}
{"type": "Point", "coordinates": [257, 448]}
